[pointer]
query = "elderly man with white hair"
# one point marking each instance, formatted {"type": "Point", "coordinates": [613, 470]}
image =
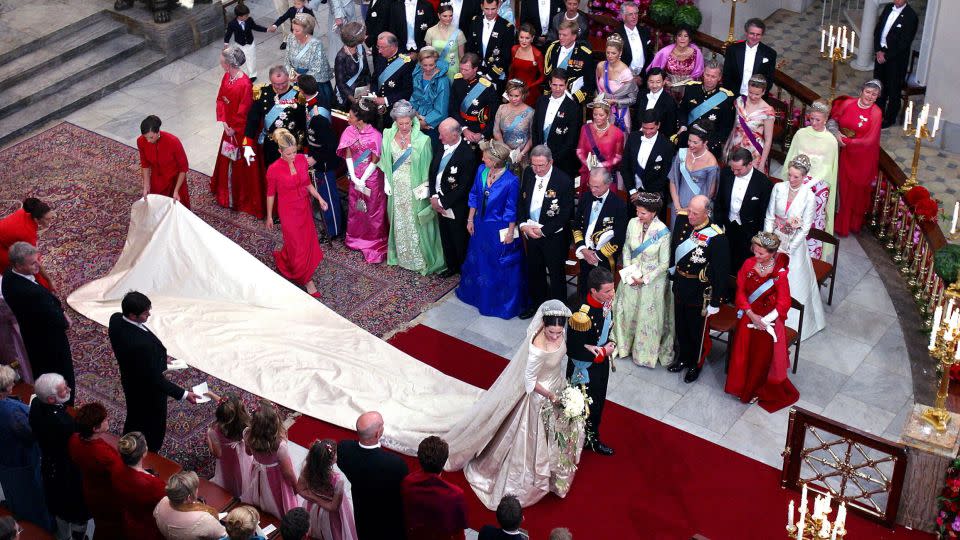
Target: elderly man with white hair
{"type": "Point", "coordinates": [43, 322]}
{"type": "Point", "coordinates": [52, 427]}
{"type": "Point", "coordinates": [450, 179]}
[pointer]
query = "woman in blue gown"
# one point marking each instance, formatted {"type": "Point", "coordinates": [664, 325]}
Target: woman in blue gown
{"type": "Point", "coordinates": [492, 278]}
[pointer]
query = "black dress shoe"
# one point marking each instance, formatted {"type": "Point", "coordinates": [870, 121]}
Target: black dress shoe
{"type": "Point", "coordinates": [528, 313]}
{"type": "Point", "coordinates": [692, 375]}
{"type": "Point", "coordinates": [283, 46]}
{"type": "Point", "coordinates": [601, 448]}
{"type": "Point", "coordinates": [447, 273]}
{"type": "Point", "coordinates": [675, 367]}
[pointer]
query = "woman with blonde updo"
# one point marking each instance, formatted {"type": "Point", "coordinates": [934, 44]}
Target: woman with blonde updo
{"type": "Point", "coordinates": [242, 523]}
{"type": "Point", "coordinates": [225, 441]}
{"type": "Point", "coordinates": [138, 491]}
{"type": "Point", "coordinates": [512, 123]}
{"type": "Point", "coordinates": [181, 516]}
{"type": "Point", "coordinates": [616, 82]}
{"type": "Point", "coordinates": [289, 178]}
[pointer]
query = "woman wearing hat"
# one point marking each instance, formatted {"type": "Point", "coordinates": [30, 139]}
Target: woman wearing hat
{"type": "Point", "coordinates": [492, 277]}
{"type": "Point", "coordinates": [350, 67]}
{"type": "Point", "coordinates": [855, 122]}
{"type": "Point", "coordinates": [601, 143]}
{"type": "Point", "coordinates": [643, 307]}
{"type": "Point", "coordinates": [758, 358]}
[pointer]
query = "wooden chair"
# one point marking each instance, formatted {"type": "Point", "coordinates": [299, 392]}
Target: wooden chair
{"type": "Point", "coordinates": [821, 268]}
{"type": "Point", "coordinates": [910, 90]}
{"type": "Point", "coordinates": [725, 322]}
{"type": "Point", "coordinates": [572, 267]}
{"type": "Point", "coordinates": [794, 336]}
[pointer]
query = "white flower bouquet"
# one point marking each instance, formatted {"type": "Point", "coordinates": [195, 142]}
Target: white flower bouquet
{"type": "Point", "coordinates": [574, 401]}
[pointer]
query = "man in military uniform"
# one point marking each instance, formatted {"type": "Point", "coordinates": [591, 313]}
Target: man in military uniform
{"type": "Point", "coordinates": [599, 227]}
{"type": "Point", "coordinates": [392, 75]}
{"type": "Point", "coordinates": [473, 101]}
{"type": "Point", "coordinates": [576, 59]}
{"type": "Point", "coordinates": [589, 350]}
{"type": "Point", "coordinates": [700, 268]}
{"type": "Point", "coordinates": [707, 100]}
{"type": "Point", "coordinates": [277, 105]}
{"type": "Point", "coordinates": [491, 38]}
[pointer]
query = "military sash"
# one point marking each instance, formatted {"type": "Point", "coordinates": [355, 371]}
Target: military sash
{"type": "Point", "coordinates": [689, 245]}
{"type": "Point", "coordinates": [274, 113]}
{"type": "Point", "coordinates": [392, 69]}
{"type": "Point", "coordinates": [473, 94]}
{"type": "Point", "coordinates": [708, 104]}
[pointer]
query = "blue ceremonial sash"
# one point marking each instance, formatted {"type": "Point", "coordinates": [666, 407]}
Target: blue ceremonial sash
{"type": "Point", "coordinates": [764, 287]}
{"type": "Point", "coordinates": [473, 94]}
{"type": "Point", "coordinates": [391, 70]}
{"type": "Point", "coordinates": [635, 252]}
{"type": "Point", "coordinates": [366, 153]}
{"type": "Point", "coordinates": [322, 111]}
{"type": "Point", "coordinates": [443, 162]}
{"type": "Point", "coordinates": [687, 179]}
{"type": "Point", "coordinates": [580, 374]}
{"type": "Point", "coordinates": [360, 67]}
{"type": "Point", "coordinates": [274, 113]}
{"type": "Point", "coordinates": [403, 157]}
{"type": "Point", "coordinates": [450, 43]}
{"type": "Point", "coordinates": [605, 331]}
{"type": "Point", "coordinates": [708, 104]}
{"type": "Point", "coordinates": [565, 61]}
{"type": "Point", "coordinates": [689, 245]}
{"type": "Point", "coordinates": [517, 119]}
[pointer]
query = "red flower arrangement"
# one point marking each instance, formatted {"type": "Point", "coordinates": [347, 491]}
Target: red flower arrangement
{"type": "Point", "coordinates": [926, 210]}
{"type": "Point", "coordinates": [916, 194]}
{"type": "Point", "coordinates": [948, 520]}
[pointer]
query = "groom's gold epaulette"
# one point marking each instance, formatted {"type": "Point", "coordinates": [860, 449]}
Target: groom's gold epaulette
{"type": "Point", "coordinates": [580, 321]}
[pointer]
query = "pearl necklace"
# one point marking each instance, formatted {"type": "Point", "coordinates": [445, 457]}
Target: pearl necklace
{"type": "Point", "coordinates": [795, 189]}
{"type": "Point", "coordinates": [696, 157]}
{"type": "Point", "coordinates": [603, 129]}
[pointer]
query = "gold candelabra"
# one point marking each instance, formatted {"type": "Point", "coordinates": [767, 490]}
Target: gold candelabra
{"type": "Point", "coordinates": [816, 525]}
{"type": "Point", "coordinates": [835, 46]}
{"type": "Point", "coordinates": [944, 348]}
{"type": "Point", "coordinates": [919, 131]}
{"type": "Point", "coordinates": [733, 16]}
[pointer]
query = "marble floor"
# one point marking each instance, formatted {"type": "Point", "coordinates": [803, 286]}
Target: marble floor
{"type": "Point", "coordinates": [855, 371]}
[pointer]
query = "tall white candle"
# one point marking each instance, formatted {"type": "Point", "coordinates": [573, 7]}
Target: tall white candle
{"type": "Point", "coordinates": [790, 513]}
{"type": "Point", "coordinates": [823, 39]}
{"type": "Point", "coordinates": [836, 527]}
{"type": "Point", "coordinates": [936, 122]}
{"type": "Point", "coordinates": [842, 516]}
{"type": "Point", "coordinates": [801, 524]}
{"type": "Point", "coordinates": [852, 35]}
{"type": "Point", "coordinates": [844, 47]}
{"type": "Point", "coordinates": [953, 224]}
{"type": "Point", "coordinates": [803, 499]}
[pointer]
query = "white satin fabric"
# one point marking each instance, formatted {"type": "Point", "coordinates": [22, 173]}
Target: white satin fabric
{"type": "Point", "coordinates": [222, 311]}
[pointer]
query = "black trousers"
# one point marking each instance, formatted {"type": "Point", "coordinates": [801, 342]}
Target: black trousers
{"type": "Point", "coordinates": [597, 390]}
{"type": "Point", "coordinates": [547, 257]}
{"type": "Point", "coordinates": [892, 74]}
{"type": "Point", "coordinates": [689, 328]}
{"type": "Point", "coordinates": [151, 420]}
{"type": "Point", "coordinates": [454, 238]}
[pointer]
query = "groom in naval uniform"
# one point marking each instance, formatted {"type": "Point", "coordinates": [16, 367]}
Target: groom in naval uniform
{"type": "Point", "coordinates": [589, 350]}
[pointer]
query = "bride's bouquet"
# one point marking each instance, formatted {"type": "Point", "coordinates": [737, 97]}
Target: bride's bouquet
{"type": "Point", "coordinates": [566, 422]}
{"type": "Point", "coordinates": [575, 403]}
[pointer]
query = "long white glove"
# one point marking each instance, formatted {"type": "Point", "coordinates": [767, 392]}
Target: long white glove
{"type": "Point", "coordinates": [386, 188]}
{"type": "Point", "coordinates": [353, 175]}
{"type": "Point", "coordinates": [249, 155]}
{"type": "Point", "coordinates": [769, 318]}
{"type": "Point", "coordinates": [362, 182]}
{"type": "Point", "coordinates": [712, 311]}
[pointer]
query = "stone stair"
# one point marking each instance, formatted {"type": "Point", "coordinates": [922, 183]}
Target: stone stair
{"type": "Point", "coordinates": [60, 73]}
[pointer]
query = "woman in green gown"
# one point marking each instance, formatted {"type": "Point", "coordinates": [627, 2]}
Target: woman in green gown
{"type": "Point", "coordinates": [643, 308]}
{"type": "Point", "coordinates": [448, 39]}
{"type": "Point", "coordinates": [414, 241]}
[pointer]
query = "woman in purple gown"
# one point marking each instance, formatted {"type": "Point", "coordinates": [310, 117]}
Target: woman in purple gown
{"type": "Point", "coordinates": [367, 225]}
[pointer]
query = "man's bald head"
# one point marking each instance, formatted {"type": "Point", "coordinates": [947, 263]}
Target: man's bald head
{"type": "Point", "coordinates": [449, 131]}
{"type": "Point", "coordinates": [698, 211]}
{"type": "Point", "coordinates": [370, 427]}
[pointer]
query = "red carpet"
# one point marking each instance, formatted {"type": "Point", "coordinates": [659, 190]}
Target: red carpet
{"type": "Point", "coordinates": [662, 483]}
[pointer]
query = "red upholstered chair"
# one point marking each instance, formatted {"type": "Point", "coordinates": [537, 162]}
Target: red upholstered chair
{"type": "Point", "coordinates": [821, 268]}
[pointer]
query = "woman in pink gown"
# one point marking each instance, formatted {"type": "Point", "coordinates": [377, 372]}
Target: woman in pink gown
{"type": "Point", "coordinates": [367, 225]}
{"type": "Point", "coordinates": [856, 124]}
{"type": "Point", "coordinates": [225, 440]}
{"type": "Point", "coordinates": [328, 495]}
{"type": "Point", "coordinates": [758, 361]}
{"type": "Point", "coordinates": [289, 178]}
{"type": "Point", "coordinates": [273, 482]}
{"type": "Point", "coordinates": [600, 145]}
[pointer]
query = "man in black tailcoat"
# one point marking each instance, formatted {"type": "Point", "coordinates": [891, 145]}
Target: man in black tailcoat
{"type": "Point", "coordinates": [599, 227]}
{"type": "Point", "coordinates": [538, 14]}
{"type": "Point", "coordinates": [893, 41]}
{"type": "Point", "coordinates": [556, 123]}
{"type": "Point", "coordinates": [744, 59]}
{"type": "Point", "coordinates": [740, 205]}
{"type": "Point", "coordinates": [375, 475]}
{"type": "Point", "coordinates": [660, 101]}
{"type": "Point", "coordinates": [700, 270]}
{"type": "Point", "coordinates": [637, 43]}
{"type": "Point", "coordinates": [142, 360]}
{"type": "Point", "coordinates": [647, 160]}
{"type": "Point", "coordinates": [43, 322]}
{"type": "Point", "coordinates": [451, 177]}
{"type": "Point", "coordinates": [491, 38]}
{"type": "Point", "coordinates": [589, 350]}
{"type": "Point", "coordinates": [406, 14]}
{"type": "Point", "coordinates": [543, 217]}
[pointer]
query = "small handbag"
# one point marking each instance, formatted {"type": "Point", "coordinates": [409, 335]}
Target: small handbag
{"type": "Point", "coordinates": [230, 150]}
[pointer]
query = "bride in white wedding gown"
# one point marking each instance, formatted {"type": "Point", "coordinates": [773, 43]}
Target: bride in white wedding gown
{"type": "Point", "coordinates": [224, 312]}
{"type": "Point", "coordinates": [507, 438]}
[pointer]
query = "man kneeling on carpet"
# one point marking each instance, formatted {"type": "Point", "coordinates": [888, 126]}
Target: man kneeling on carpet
{"type": "Point", "coordinates": [589, 350]}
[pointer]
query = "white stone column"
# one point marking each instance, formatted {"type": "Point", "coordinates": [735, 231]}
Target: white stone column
{"type": "Point", "coordinates": [865, 53]}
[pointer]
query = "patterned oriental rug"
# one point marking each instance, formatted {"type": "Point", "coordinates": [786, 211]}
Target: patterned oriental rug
{"type": "Point", "coordinates": [91, 181]}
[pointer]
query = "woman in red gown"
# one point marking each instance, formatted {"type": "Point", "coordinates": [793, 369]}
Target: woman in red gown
{"type": "Point", "coordinates": [758, 364]}
{"type": "Point", "coordinates": [527, 64]}
{"type": "Point", "coordinates": [24, 226]}
{"type": "Point", "coordinates": [98, 463]}
{"type": "Point", "coordinates": [234, 183]}
{"type": "Point", "coordinates": [138, 491]}
{"type": "Point", "coordinates": [856, 124]}
{"type": "Point", "coordinates": [163, 161]}
{"type": "Point", "coordinates": [288, 178]}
